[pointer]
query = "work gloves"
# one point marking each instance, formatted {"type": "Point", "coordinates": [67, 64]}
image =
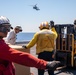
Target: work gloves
{"type": "Point", "coordinates": [52, 24]}
{"type": "Point", "coordinates": [24, 46]}
{"type": "Point", "coordinates": [52, 65]}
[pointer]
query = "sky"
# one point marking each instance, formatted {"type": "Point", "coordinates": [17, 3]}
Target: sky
{"type": "Point", "coordinates": [19, 12]}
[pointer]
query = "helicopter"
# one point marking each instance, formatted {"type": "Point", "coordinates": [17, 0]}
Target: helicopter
{"type": "Point", "coordinates": [35, 7]}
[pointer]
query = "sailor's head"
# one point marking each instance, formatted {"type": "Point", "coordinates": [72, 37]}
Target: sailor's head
{"type": "Point", "coordinates": [18, 29]}
{"type": "Point", "coordinates": [44, 25]}
{"type": "Point", "coordinates": [5, 26]}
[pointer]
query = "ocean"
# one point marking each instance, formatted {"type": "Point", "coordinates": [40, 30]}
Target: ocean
{"type": "Point", "coordinates": [24, 36]}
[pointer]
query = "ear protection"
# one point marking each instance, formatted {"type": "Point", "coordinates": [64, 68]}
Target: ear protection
{"type": "Point", "coordinates": [4, 29]}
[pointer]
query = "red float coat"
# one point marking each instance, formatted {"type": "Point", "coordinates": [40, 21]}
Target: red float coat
{"type": "Point", "coordinates": [9, 55]}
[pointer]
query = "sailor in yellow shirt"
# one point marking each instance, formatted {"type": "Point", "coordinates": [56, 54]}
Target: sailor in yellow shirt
{"type": "Point", "coordinates": [44, 40]}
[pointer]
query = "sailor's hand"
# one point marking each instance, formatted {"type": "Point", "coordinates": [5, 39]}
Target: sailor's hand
{"type": "Point", "coordinates": [53, 56]}
{"type": "Point", "coordinates": [52, 65]}
{"type": "Point", "coordinates": [52, 24]}
{"type": "Point", "coordinates": [24, 46]}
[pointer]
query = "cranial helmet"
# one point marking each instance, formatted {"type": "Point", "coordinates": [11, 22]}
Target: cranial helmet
{"type": "Point", "coordinates": [4, 22]}
{"type": "Point", "coordinates": [44, 25]}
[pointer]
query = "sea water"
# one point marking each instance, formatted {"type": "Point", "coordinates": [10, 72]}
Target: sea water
{"type": "Point", "coordinates": [24, 36]}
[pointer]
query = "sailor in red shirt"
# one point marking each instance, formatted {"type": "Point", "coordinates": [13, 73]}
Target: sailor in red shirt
{"type": "Point", "coordinates": [9, 55]}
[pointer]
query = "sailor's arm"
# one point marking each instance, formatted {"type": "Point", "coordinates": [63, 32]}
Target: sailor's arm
{"type": "Point", "coordinates": [26, 59]}
{"type": "Point", "coordinates": [32, 42]}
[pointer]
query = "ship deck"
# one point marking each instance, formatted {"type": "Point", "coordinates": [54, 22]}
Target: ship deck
{"type": "Point", "coordinates": [33, 71]}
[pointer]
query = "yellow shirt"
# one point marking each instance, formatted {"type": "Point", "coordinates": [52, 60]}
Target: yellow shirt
{"type": "Point", "coordinates": [44, 40]}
